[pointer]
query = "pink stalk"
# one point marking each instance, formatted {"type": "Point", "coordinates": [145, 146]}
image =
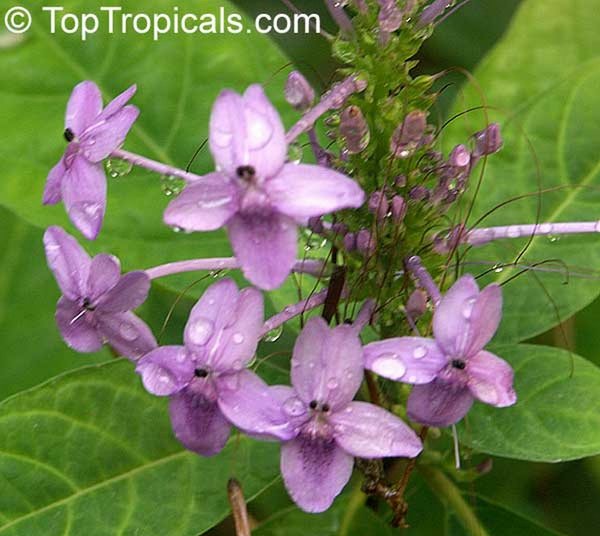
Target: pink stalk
{"type": "Point", "coordinates": [311, 267]}
{"type": "Point", "coordinates": [338, 14]}
{"type": "Point", "coordinates": [364, 315]}
{"type": "Point", "coordinates": [333, 99]}
{"type": "Point", "coordinates": [153, 165]}
{"type": "Point", "coordinates": [292, 311]}
{"type": "Point", "coordinates": [478, 237]}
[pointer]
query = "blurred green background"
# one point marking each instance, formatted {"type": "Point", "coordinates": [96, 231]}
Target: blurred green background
{"type": "Point", "coordinates": [564, 497]}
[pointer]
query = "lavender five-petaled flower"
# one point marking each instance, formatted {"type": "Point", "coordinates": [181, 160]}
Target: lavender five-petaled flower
{"type": "Point", "coordinates": [97, 300]}
{"type": "Point", "coordinates": [207, 378]}
{"type": "Point", "coordinates": [92, 134]}
{"type": "Point", "coordinates": [254, 192]}
{"type": "Point", "coordinates": [452, 369]}
{"type": "Point", "coordinates": [326, 429]}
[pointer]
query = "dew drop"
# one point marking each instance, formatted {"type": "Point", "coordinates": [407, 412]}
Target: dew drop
{"type": "Point", "coordinates": [237, 365]}
{"type": "Point", "coordinates": [419, 352]}
{"type": "Point", "coordinates": [128, 331]}
{"type": "Point", "coordinates": [513, 231]}
{"type": "Point", "coordinates": [201, 331]}
{"type": "Point", "coordinates": [295, 153]}
{"type": "Point", "coordinates": [171, 185]}
{"type": "Point", "coordinates": [274, 334]}
{"type": "Point", "coordinates": [294, 407]}
{"type": "Point", "coordinates": [116, 167]}
{"type": "Point", "coordinates": [553, 238]}
{"type": "Point", "coordinates": [498, 268]}
{"type": "Point", "coordinates": [545, 228]}
{"type": "Point", "coordinates": [390, 366]}
{"type": "Point", "coordinates": [238, 338]}
{"type": "Point", "coordinates": [332, 384]}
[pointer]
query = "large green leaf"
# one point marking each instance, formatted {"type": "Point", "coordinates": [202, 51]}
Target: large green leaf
{"type": "Point", "coordinates": [541, 81]}
{"type": "Point", "coordinates": [557, 415]}
{"type": "Point", "coordinates": [32, 350]}
{"type": "Point", "coordinates": [92, 453]}
{"type": "Point", "coordinates": [178, 78]}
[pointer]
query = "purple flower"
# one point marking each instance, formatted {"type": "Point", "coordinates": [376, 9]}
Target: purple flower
{"type": "Point", "coordinates": [326, 429]}
{"type": "Point", "coordinates": [452, 369]}
{"type": "Point", "coordinates": [93, 134]}
{"type": "Point", "coordinates": [254, 192]}
{"type": "Point", "coordinates": [207, 378]}
{"type": "Point", "coordinates": [97, 300]}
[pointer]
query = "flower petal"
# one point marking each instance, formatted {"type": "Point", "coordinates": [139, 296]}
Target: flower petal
{"type": "Point", "coordinates": [265, 245]}
{"type": "Point", "coordinates": [247, 131]}
{"type": "Point", "coordinates": [451, 318]}
{"type": "Point", "coordinates": [327, 364]}
{"type": "Point", "coordinates": [105, 271]}
{"type": "Point", "coordinates": [204, 205]}
{"type": "Point", "coordinates": [68, 261]}
{"type": "Point", "coordinates": [52, 190]}
{"type": "Point", "coordinates": [484, 319]}
{"type": "Point", "coordinates": [85, 105]}
{"type": "Point", "coordinates": [126, 333]}
{"type": "Point", "coordinates": [84, 194]}
{"type": "Point", "coordinates": [75, 328]}
{"type": "Point", "coordinates": [367, 431]}
{"type": "Point", "coordinates": [118, 102]}
{"type": "Point", "coordinates": [247, 401]}
{"type": "Point", "coordinates": [438, 403]}
{"type": "Point", "coordinates": [491, 379]}
{"type": "Point", "coordinates": [406, 359]}
{"type": "Point", "coordinates": [314, 471]}
{"type": "Point", "coordinates": [108, 134]}
{"type": "Point", "coordinates": [130, 292]}
{"type": "Point", "coordinates": [166, 370]}
{"type": "Point", "coordinates": [224, 326]}
{"type": "Point", "coordinates": [303, 191]}
{"type": "Point", "coordinates": [198, 422]}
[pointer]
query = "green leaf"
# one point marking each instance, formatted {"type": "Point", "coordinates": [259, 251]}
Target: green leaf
{"type": "Point", "coordinates": [541, 81]}
{"type": "Point", "coordinates": [557, 415]}
{"type": "Point", "coordinates": [178, 78]}
{"type": "Point", "coordinates": [92, 453]}
{"type": "Point", "coordinates": [32, 349]}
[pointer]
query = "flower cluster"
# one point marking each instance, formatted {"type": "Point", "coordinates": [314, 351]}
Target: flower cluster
{"type": "Point", "coordinates": [377, 196]}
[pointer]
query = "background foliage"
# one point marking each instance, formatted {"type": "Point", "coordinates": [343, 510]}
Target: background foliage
{"type": "Point", "coordinates": [90, 452]}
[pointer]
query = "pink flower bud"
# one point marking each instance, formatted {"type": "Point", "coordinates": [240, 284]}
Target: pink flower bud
{"type": "Point", "coordinates": [298, 92]}
{"type": "Point", "coordinates": [378, 205]}
{"type": "Point", "coordinates": [365, 242]}
{"type": "Point", "coordinates": [350, 242]}
{"type": "Point", "coordinates": [488, 141]}
{"type": "Point", "coordinates": [398, 209]}
{"type": "Point", "coordinates": [407, 137]}
{"type": "Point", "coordinates": [354, 129]}
{"type": "Point", "coordinates": [416, 304]}
{"type": "Point", "coordinates": [460, 157]}
{"type": "Point", "coordinates": [390, 16]}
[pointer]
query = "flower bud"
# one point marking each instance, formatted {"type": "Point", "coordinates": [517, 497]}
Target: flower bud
{"type": "Point", "coordinates": [339, 228]}
{"type": "Point", "coordinates": [398, 209]}
{"type": "Point", "coordinates": [433, 11]}
{"type": "Point", "coordinates": [460, 157]}
{"type": "Point", "coordinates": [416, 304]}
{"type": "Point", "coordinates": [298, 92]}
{"type": "Point", "coordinates": [354, 129]}
{"type": "Point", "coordinates": [350, 242]}
{"type": "Point", "coordinates": [419, 193]}
{"type": "Point", "coordinates": [378, 205]}
{"type": "Point", "coordinates": [390, 16]}
{"type": "Point", "coordinates": [400, 181]}
{"type": "Point", "coordinates": [315, 224]}
{"type": "Point", "coordinates": [488, 141]}
{"type": "Point", "coordinates": [407, 137]}
{"type": "Point", "coordinates": [365, 242]}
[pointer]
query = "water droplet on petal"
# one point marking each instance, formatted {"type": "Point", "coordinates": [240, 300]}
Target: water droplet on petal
{"type": "Point", "coordinates": [467, 309]}
{"type": "Point", "coordinates": [546, 228]}
{"type": "Point", "coordinates": [295, 153]}
{"type": "Point", "coordinates": [181, 356]}
{"type": "Point", "coordinates": [419, 352]}
{"type": "Point", "coordinates": [238, 338]}
{"type": "Point", "coordinates": [231, 381]}
{"type": "Point", "coordinates": [118, 168]}
{"type": "Point", "coordinates": [332, 384]}
{"type": "Point", "coordinates": [237, 365]}
{"type": "Point", "coordinates": [274, 334]}
{"type": "Point", "coordinates": [201, 331]}
{"type": "Point", "coordinates": [390, 366]}
{"type": "Point", "coordinates": [294, 407]}
{"type": "Point", "coordinates": [128, 331]}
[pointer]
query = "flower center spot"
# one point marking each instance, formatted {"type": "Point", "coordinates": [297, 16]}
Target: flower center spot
{"type": "Point", "coordinates": [200, 373]}
{"type": "Point", "coordinates": [246, 173]}
{"type": "Point", "coordinates": [69, 135]}
{"type": "Point", "coordinates": [458, 364]}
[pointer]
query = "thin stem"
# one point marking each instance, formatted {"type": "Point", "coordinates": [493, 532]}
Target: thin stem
{"type": "Point", "coordinates": [311, 267]}
{"type": "Point", "coordinates": [420, 273]}
{"type": "Point", "coordinates": [291, 311]}
{"type": "Point", "coordinates": [478, 237]}
{"type": "Point", "coordinates": [364, 316]}
{"type": "Point", "coordinates": [333, 99]}
{"type": "Point", "coordinates": [153, 165]}
{"type": "Point", "coordinates": [451, 495]}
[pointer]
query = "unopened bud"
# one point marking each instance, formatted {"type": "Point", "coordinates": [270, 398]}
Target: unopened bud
{"type": "Point", "coordinates": [419, 193]}
{"type": "Point", "coordinates": [407, 137]}
{"type": "Point", "coordinates": [365, 242]}
{"type": "Point", "coordinates": [398, 209]}
{"type": "Point", "coordinates": [460, 157]}
{"type": "Point", "coordinates": [416, 304]}
{"type": "Point", "coordinates": [354, 129]}
{"type": "Point", "coordinates": [339, 228]}
{"type": "Point", "coordinates": [350, 242]}
{"type": "Point", "coordinates": [315, 224]}
{"type": "Point", "coordinates": [298, 92]}
{"type": "Point", "coordinates": [400, 181]}
{"type": "Point", "coordinates": [378, 205]}
{"type": "Point", "coordinates": [390, 16]}
{"type": "Point", "coordinates": [488, 141]}
{"type": "Point", "coordinates": [433, 11]}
